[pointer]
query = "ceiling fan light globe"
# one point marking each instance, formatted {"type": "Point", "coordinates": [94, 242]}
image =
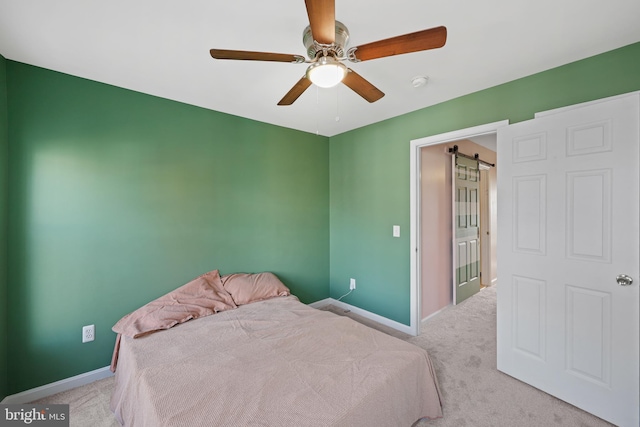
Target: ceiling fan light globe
{"type": "Point", "coordinates": [326, 73]}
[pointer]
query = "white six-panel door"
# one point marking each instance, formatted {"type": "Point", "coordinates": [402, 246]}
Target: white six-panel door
{"type": "Point", "coordinates": [568, 225]}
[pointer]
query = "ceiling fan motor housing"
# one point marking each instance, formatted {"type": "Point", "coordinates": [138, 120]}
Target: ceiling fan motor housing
{"type": "Point", "coordinates": [337, 48]}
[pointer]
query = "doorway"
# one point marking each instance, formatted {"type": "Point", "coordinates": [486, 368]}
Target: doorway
{"type": "Point", "coordinates": [431, 209]}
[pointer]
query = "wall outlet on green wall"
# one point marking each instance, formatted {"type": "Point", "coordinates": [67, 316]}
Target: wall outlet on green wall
{"type": "Point", "coordinates": [88, 333]}
{"type": "Point", "coordinates": [352, 284]}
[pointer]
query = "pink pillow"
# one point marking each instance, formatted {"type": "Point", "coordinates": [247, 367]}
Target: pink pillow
{"type": "Point", "coordinates": [201, 297]}
{"type": "Point", "coordinates": [247, 288]}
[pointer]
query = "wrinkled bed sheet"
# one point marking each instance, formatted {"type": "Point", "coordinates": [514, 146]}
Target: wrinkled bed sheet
{"type": "Point", "coordinates": [273, 363]}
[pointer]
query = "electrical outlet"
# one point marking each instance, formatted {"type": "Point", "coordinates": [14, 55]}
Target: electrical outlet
{"type": "Point", "coordinates": [352, 284]}
{"type": "Point", "coordinates": [88, 333]}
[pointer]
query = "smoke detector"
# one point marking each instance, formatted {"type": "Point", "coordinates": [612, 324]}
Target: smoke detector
{"type": "Point", "coordinates": [419, 81]}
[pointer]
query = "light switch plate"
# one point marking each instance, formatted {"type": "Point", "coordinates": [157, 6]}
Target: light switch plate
{"type": "Point", "coordinates": [396, 231]}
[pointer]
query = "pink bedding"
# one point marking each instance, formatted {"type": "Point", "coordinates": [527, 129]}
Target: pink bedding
{"type": "Point", "coordinates": [203, 296]}
{"type": "Point", "coordinates": [276, 362]}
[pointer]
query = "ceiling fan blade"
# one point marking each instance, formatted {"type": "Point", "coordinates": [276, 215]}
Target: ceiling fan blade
{"type": "Point", "coordinates": [255, 56]}
{"type": "Point", "coordinates": [295, 91]}
{"type": "Point", "coordinates": [362, 87]}
{"type": "Point", "coordinates": [414, 42]}
{"type": "Point", "coordinates": [322, 18]}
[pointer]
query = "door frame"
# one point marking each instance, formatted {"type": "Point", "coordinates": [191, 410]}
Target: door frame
{"type": "Point", "coordinates": [485, 226]}
{"type": "Point", "coordinates": [414, 207]}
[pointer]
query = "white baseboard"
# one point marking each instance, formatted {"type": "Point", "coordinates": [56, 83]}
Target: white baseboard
{"type": "Point", "coordinates": [435, 313]}
{"type": "Point", "coordinates": [58, 386]}
{"type": "Point", "coordinates": [364, 313]}
{"type": "Point", "coordinates": [321, 303]}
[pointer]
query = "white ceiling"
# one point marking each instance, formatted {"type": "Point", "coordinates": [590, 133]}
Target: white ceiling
{"type": "Point", "coordinates": [161, 47]}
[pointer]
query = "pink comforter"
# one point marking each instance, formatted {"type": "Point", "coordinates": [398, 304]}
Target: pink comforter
{"type": "Point", "coordinates": [273, 363]}
{"type": "Point", "coordinates": [203, 296]}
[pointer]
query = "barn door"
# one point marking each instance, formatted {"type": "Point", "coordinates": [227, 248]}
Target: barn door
{"type": "Point", "coordinates": [466, 228]}
{"type": "Point", "coordinates": [568, 255]}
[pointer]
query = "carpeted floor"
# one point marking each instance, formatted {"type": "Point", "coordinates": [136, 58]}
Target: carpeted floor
{"type": "Point", "coordinates": [461, 341]}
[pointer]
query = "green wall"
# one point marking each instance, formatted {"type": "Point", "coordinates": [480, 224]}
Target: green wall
{"type": "Point", "coordinates": [4, 164]}
{"type": "Point", "coordinates": [118, 197]}
{"type": "Point", "coordinates": [370, 171]}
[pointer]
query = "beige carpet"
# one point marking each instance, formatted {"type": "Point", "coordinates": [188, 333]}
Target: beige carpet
{"type": "Point", "coordinates": [462, 343]}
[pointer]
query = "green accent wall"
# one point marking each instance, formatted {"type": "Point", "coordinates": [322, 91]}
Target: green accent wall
{"type": "Point", "coordinates": [370, 171]}
{"type": "Point", "coordinates": [117, 197]}
{"type": "Point", "coordinates": [4, 165]}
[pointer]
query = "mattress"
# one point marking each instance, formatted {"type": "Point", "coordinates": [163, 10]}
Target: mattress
{"type": "Point", "coordinates": [273, 363]}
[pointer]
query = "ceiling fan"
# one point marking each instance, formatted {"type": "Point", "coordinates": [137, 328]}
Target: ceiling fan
{"type": "Point", "coordinates": [325, 40]}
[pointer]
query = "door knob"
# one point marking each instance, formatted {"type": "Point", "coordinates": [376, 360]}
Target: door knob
{"type": "Point", "coordinates": [624, 280]}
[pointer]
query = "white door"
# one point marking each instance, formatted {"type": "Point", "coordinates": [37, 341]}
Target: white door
{"type": "Point", "coordinates": [568, 225]}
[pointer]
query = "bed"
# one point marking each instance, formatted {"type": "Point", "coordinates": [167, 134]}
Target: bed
{"type": "Point", "coordinates": [271, 362]}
